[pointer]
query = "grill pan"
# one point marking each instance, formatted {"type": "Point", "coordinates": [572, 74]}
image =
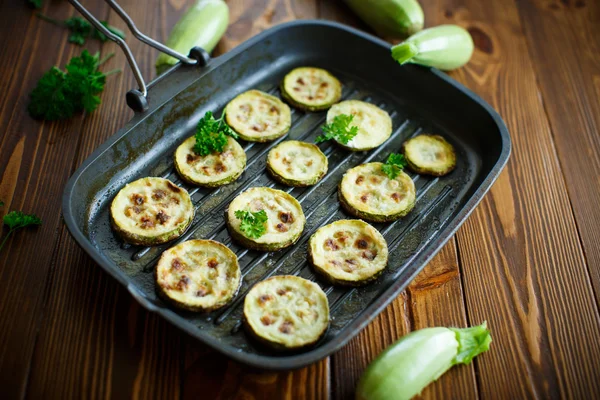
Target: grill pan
{"type": "Point", "coordinates": [418, 100]}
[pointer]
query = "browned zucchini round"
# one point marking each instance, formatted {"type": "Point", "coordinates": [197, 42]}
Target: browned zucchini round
{"type": "Point", "coordinates": [297, 163]}
{"type": "Point", "coordinates": [198, 275]}
{"type": "Point", "coordinates": [151, 211]}
{"type": "Point", "coordinates": [367, 192]}
{"type": "Point", "coordinates": [311, 89]}
{"type": "Point", "coordinates": [286, 312]}
{"type": "Point", "coordinates": [348, 252]}
{"type": "Point", "coordinates": [429, 155]}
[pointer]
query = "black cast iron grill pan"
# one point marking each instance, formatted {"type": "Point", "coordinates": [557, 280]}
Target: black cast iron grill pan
{"type": "Point", "coordinates": [418, 100]}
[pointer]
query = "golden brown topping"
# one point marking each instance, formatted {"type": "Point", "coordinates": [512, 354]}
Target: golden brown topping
{"type": "Point", "coordinates": [300, 81]}
{"type": "Point", "coordinates": [158, 194]}
{"type": "Point", "coordinates": [173, 187]}
{"type": "Point", "coordinates": [309, 163]}
{"type": "Point", "coordinates": [281, 227]}
{"type": "Point", "coordinates": [264, 298]}
{"type": "Point", "coordinates": [281, 292]}
{"type": "Point", "coordinates": [273, 109]}
{"type": "Point", "coordinates": [176, 264]}
{"type": "Point", "coordinates": [361, 243]}
{"type": "Point", "coordinates": [364, 197]}
{"type": "Point", "coordinates": [190, 158]}
{"type": "Point", "coordinates": [324, 84]}
{"type": "Point", "coordinates": [266, 320]}
{"type": "Point", "coordinates": [147, 223]}
{"type": "Point", "coordinates": [138, 199]}
{"type": "Point", "coordinates": [174, 200]}
{"type": "Point", "coordinates": [369, 255]}
{"type": "Point", "coordinates": [201, 292]}
{"type": "Point", "coordinates": [183, 283]}
{"type": "Point", "coordinates": [375, 180]}
{"type": "Point", "coordinates": [220, 167]}
{"type": "Point", "coordinates": [286, 217]}
{"type": "Point", "coordinates": [212, 263]}
{"type": "Point", "coordinates": [331, 245]}
{"type": "Point", "coordinates": [397, 197]}
{"type": "Point", "coordinates": [351, 261]}
{"type": "Point", "coordinates": [162, 217]}
{"type": "Point", "coordinates": [286, 327]}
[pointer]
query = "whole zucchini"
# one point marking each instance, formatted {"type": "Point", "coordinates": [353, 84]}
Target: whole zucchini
{"type": "Point", "coordinates": [445, 47]}
{"type": "Point", "coordinates": [203, 24]}
{"type": "Point", "coordinates": [419, 358]}
{"type": "Point", "coordinates": [390, 18]}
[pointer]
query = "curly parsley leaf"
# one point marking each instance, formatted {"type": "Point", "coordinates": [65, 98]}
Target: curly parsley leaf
{"type": "Point", "coordinates": [81, 29]}
{"type": "Point", "coordinates": [60, 94]}
{"type": "Point", "coordinates": [253, 223]}
{"type": "Point", "coordinates": [211, 135]}
{"type": "Point", "coordinates": [339, 129]}
{"type": "Point", "coordinates": [394, 165]}
{"type": "Point", "coordinates": [16, 220]}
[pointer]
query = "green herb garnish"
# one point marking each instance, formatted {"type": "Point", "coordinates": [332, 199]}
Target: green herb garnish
{"type": "Point", "coordinates": [211, 135]}
{"type": "Point", "coordinates": [60, 94]}
{"type": "Point", "coordinates": [339, 129]}
{"type": "Point", "coordinates": [253, 223]}
{"type": "Point", "coordinates": [394, 165]}
{"type": "Point", "coordinates": [81, 29]}
{"type": "Point", "coordinates": [16, 220]}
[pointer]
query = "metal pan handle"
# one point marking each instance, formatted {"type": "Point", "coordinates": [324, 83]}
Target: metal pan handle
{"type": "Point", "coordinates": [137, 98]}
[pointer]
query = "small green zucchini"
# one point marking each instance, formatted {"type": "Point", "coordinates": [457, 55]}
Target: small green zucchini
{"type": "Point", "coordinates": [203, 24]}
{"type": "Point", "coordinates": [445, 47]}
{"type": "Point", "coordinates": [405, 368]}
{"type": "Point", "coordinates": [390, 18]}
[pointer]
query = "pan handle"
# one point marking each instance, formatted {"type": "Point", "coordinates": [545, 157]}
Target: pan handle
{"type": "Point", "coordinates": [137, 98]}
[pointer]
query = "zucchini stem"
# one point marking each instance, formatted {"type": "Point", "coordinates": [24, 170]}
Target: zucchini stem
{"type": "Point", "coordinates": [404, 52]}
{"type": "Point", "coordinates": [471, 342]}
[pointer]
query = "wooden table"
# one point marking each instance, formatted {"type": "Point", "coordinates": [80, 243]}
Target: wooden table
{"type": "Point", "coordinates": [527, 260]}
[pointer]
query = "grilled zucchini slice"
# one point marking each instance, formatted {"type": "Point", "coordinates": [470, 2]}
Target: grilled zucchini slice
{"type": "Point", "coordinates": [198, 275]}
{"type": "Point", "coordinates": [367, 192]}
{"type": "Point", "coordinates": [374, 124]}
{"type": "Point", "coordinates": [311, 89]}
{"type": "Point", "coordinates": [429, 155]}
{"type": "Point", "coordinates": [297, 163]}
{"type": "Point", "coordinates": [151, 211]}
{"type": "Point", "coordinates": [286, 312]}
{"type": "Point", "coordinates": [213, 170]}
{"type": "Point", "coordinates": [258, 117]}
{"type": "Point", "coordinates": [285, 221]}
{"type": "Point", "coordinates": [348, 252]}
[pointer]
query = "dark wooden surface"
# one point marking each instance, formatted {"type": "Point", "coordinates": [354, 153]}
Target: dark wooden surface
{"type": "Point", "coordinates": [527, 260]}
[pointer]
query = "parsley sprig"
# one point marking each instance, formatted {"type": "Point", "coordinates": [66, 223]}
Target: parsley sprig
{"type": "Point", "coordinates": [253, 223]}
{"type": "Point", "coordinates": [81, 29]}
{"type": "Point", "coordinates": [211, 135]}
{"type": "Point", "coordinates": [16, 220]}
{"type": "Point", "coordinates": [339, 129]}
{"type": "Point", "coordinates": [60, 94]}
{"type": "Point", "coordinates": [394, 165]}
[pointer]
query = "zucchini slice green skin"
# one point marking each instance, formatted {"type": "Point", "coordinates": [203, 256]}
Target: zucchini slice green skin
{"type": "Point", "coordinates": [295, 163]}
{"type": "Point", "coordinates": [348, 252]}
{"type": "Point", "coordinates": [198, 275]}
{"type": "Point", "coordinates": [213, 170]}
{"type": "Point", "coordinates": [429, 155]}
{"type": "Point", "coordinates": [311, 89]}
{"type": "Point", "coordinates": [285, 218]}
{"type": "Point", "coordinates": [134, 216]}
{"type": "Point", "coordinates": [366, 192]}
{"type": "Point", "coordinates": [374, 124]}
{"type": "Point", "coordinates": [286, 312]}
{"type": "Point", "coordinates": [258, 117]}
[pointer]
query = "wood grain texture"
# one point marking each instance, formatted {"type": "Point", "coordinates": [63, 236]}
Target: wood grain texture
{"type": "Point", "coordinates": [67, 330]}
{"type": "Point", "coordinates": [523, 266]}
{"type": "Point", "coordinates": [568, 73]}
